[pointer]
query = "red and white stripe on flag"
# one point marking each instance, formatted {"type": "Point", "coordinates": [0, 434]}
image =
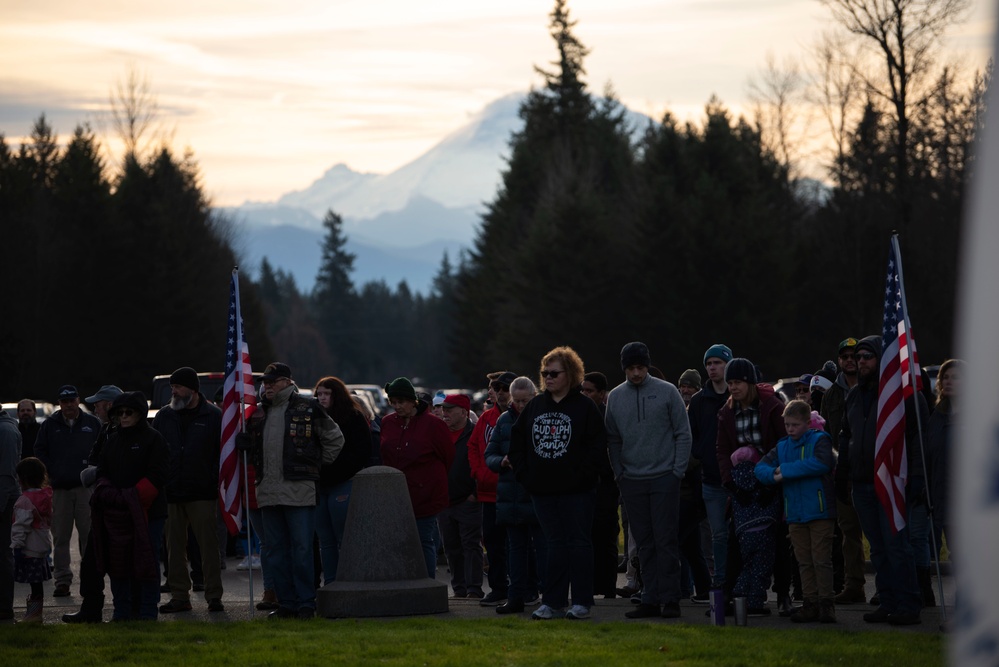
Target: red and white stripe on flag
{"type": "Point", "coordinates": [237, 391]}
{"type": "Point", "coordinates": [896, 382]}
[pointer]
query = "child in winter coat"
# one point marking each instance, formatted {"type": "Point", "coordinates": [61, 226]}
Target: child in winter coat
{"type": "Point", "coordinates": [754, 510]}
{"type": "Point", "coordinates": [30, 535]}
{"type": "Point", "coordinates": [803, 463]}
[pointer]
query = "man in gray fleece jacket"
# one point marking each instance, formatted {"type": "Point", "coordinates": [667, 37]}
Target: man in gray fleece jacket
{"type": "Point", "coordinates": [648, 437]}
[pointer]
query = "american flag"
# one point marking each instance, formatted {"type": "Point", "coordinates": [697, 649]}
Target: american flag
{"type": "Point", "coordinates": [236, 391]}
{"type": "Point", "coordinates": [899, 379]}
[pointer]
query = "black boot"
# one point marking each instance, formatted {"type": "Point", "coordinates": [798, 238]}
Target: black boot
{"type": "Point", "coordinates": [91, 611]}
{"type": "Point", "coordinates": [925, 578]}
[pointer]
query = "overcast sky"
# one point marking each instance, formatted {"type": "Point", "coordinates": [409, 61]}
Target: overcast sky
{"type": "Point", "coordinates": [270, 94]}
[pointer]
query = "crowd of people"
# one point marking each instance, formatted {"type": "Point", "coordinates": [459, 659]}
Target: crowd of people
{"type": "Point", "coordinates": [725, 486]}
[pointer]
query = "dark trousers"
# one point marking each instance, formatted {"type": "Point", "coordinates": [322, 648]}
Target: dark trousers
{"type": "Point", "coordinates": [91, 580]}
{"type": "Point", "coordinates": [605, 534]}
{"type": "Point", "coordinates": [690, 545]}
{"type": "Point", "coordinates": [495, 540]}
{"type": "Point", "coordinates": [567, 521]}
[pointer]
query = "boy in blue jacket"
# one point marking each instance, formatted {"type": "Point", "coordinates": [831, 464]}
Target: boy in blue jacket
{"type": "Point", "coordinates": [803, 463]}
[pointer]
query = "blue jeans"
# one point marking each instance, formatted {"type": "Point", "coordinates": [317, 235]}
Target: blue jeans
{"type": "Point", "coordinates": [522, 539]}
{"type": "Point", "coordinates": [331, 517]}
{"type": "Point", "coordinates": [567, 521]}
{"type": "Point", "coordinates": [288, 535]}
{"type": "Point", "coordinates": [715, 503]}
{"type": "Point", "coordinates": [427, 529]}
{"type": "Point", "coordinates": [891, 554]}
{"type": "Point", "coordinates": [257, 523]}
{"type": "Point", "coordinates": [136, 598]}
{"type": "Point", "coordinates": [654, 512]}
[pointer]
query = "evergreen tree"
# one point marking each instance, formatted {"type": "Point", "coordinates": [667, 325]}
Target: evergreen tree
{"type": "Point", "coordinates": [334, 300]}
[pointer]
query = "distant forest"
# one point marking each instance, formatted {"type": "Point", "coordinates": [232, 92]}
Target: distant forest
{"type": "Point", "coordinates": [117, 270]}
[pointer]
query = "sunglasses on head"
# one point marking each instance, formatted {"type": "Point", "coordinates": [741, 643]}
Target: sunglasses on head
{"type": "Point", "coordinates": [866, 356]}
{"type": "Point", "coordinates": [551, 374]}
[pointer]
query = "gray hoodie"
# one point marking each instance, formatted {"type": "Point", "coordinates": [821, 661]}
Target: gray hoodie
{"type": "Point", "coordinates": [648, 434]}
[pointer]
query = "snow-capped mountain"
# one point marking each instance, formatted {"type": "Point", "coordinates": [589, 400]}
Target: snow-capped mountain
{"type": "Point", "coordinates": [412, 214]}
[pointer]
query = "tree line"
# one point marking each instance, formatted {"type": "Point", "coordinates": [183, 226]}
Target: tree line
{"type": "Point", "coordinates": [695, 234]}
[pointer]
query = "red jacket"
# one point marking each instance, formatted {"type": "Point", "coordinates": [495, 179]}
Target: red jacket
{"type": "Point", "coordinates": [771, 429]}
{"type": "Point", "coordinates": [485, 479]}
{"type": "Point", "coordinates": [423, 451]}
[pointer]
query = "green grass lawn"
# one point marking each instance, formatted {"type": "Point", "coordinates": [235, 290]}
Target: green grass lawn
{"type": "Point", "coordinates": [459, 642]}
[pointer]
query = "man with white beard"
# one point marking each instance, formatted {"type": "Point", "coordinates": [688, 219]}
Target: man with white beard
{"type": "Point", "coordinates": [192, 426]}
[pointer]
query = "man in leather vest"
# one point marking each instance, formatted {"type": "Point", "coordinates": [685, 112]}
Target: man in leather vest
{"type": "Point", "coordinates": [290, 437]}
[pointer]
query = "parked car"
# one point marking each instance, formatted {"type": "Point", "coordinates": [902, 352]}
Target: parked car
{"type": "Point", "coordinates": [211, 383]}
{"type": "Point", "coordinates": [377, 395]}
{"type": "Point", "coordinates": [43, 410]}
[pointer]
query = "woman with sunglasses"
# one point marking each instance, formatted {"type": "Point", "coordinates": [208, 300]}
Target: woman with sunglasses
{"type": "Point", "coordinates": [129, 509]}
{"type": "Point", "coordinates": [557, 448]}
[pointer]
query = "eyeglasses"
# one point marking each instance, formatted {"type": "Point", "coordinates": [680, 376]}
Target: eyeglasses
{"type": "Point", "coordinates": [866, 356]}
{"type": "Point", "coordinates": [551, 374]}
{"type": "Point", "coordinates": [126, 412]}
{"type": "Point", "coordinates": [499, 386]}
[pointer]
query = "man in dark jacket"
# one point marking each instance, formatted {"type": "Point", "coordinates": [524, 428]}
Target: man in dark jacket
{"type": "Point", "coordinates": [10, 454]}
{"type": "Point", "coordinates": [64, 443]}
{"type": "Point", "coordinates": [461, 522]}
{"type": "Point", "coordinates": [833, 410]}
{"type": "Point", "coordinates": [28, 425]}
{"type": "Point", "coordinates": [891, 552]}
{"type": "Point", "coordinates": [192, 427]}
{"type": "Point", "coordinates": [703, 415]}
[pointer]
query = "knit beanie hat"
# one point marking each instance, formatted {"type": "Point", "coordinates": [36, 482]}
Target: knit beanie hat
{"type": "Point", "coordinates": [741, 369]}
{"type": "Point", "coordinates": [719, 351]}
{"type": "Point", "coordinates": [745, 453]}
{"type": "Point", "coordinates": [691, 377]}
{"type": "Point", "coordinates": [401, 388]}
{"type": "Point", "coordinates": [871, 343]}
{"type": "Point", "coordinates": [186, 376]}
{"type": "Point", "coordinates": [635, 354]}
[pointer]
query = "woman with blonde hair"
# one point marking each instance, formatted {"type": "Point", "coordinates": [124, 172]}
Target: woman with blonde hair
{"type": "Point", "coordinates": [557, 447]}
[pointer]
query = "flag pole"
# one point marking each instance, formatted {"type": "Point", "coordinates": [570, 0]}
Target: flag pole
{"type": "Point", "coordinates": [919, 423]}
{"type": "Point", "coordinates": [240, 407]}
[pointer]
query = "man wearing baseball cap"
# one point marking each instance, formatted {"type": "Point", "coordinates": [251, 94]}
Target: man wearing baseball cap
{"type": "Point", "coordinates": [461, 522]}
{"type": "Point", "coordinates": [64, 444]}
{"type": "Point", "coordinates": [833, 410]}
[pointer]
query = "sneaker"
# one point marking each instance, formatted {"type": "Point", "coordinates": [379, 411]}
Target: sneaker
{"type": "Point", "coordinates": [644, 610]}
{"type": "Point", "coordinates": [61, 591]}
{"type": "Point", "coordinates": [510, 607]}
{"type": "Point", "coordinates": [493, 599]}
{"type": "Point", "coordinates": [879, 615]}
{"type": "Point", "coordinates": [700, 598]}
{"type": "Point", "coordinates": [546, 613]}
{"type": "Point", "coordinates": [671, 610]}
{"type": "Point", "coordinates": [215, 604]}
{"type": "Point", "coordinates": [249, 563]}
{"type": "Point", "coordinates": [578, 612]}
{"type": "Point", "coordinates": [174, 606]}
